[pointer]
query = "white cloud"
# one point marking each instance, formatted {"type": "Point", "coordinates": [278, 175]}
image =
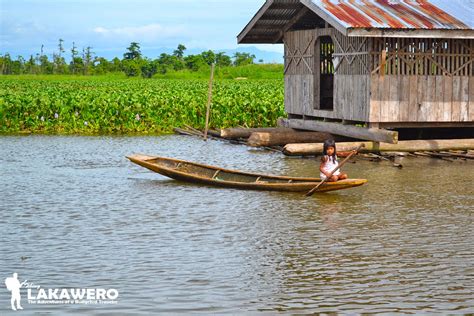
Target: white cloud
{"type": "Point", "coordinates": [150, 32]}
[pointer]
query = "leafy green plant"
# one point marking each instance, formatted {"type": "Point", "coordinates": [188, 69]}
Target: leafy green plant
{"type": "Point", "coordinates": [115, 105]}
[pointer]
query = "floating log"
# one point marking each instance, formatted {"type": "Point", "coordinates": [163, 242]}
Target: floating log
{"type": "Point", "coordinates": [196, 131]}
{"type": "Point", "coordinates": [190, 131]}
{"type": "Point", "coordinates": [405, 146]}
{"type": "Point", "coordinates": [382, 157]}
{"type": "Point", "coordinates": [185, 132]}
{"type": "Point", "coordinates": [214, 133]}
{"type": "Point", "coordinates": [282, 138]}
{"type": "Point", "coordinates": [236, 132]}
{"type": "Point", "coordinates": [459, 155]}
{"type": "Point", "coordinates": [372, 134]}
{"type": "Point", "coordinates": [446, 157]}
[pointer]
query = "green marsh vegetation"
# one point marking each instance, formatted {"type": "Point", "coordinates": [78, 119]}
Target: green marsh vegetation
{"type": "Point", "coordinates": [136, 94]}
{"type": "Point", "coordinates": [112, 105]}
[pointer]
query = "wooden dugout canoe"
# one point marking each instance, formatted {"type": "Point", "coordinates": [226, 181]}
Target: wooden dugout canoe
{"type": "Point", "coordinates": [198, 173]}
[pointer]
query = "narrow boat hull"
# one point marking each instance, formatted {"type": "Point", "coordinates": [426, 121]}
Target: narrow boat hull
{"type": "Point", "coordinates": [186, 171]}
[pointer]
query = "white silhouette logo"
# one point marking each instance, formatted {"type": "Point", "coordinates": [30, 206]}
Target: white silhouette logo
{"type": "Point", "coordinates": [14, 285]}
{"type": "Point", "coordinates": [38, 295]}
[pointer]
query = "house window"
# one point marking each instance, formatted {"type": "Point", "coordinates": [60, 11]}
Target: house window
{"type": "Point", "coordinates": [326, 77]}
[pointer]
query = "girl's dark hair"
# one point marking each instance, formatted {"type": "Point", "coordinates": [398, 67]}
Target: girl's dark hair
{"type": "Point", "coordinates": [329, 143]}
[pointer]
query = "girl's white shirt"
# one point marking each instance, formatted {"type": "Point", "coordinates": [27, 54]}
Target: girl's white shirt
{"type": "Point", "coordinates": [329, 166]}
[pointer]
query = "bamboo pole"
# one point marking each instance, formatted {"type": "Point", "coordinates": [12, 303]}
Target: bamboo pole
{"type": "Point", "coordinates": [209, 99]}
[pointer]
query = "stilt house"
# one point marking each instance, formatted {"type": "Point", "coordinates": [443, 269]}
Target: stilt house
{"type": "Point", "coordinates": [358, 67]}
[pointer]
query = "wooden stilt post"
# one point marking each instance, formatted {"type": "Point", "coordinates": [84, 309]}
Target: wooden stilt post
{"type": "Point", "coordinates": [209, 99]}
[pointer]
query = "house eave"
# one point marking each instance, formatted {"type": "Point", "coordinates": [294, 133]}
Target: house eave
{"type": "Point", "coordinates": [410, 33]}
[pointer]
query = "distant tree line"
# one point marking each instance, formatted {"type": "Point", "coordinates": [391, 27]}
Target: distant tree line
{"type": "Point", "coordinates": [133, 63]}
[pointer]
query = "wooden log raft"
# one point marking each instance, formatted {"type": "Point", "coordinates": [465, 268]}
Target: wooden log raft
{"type": "Point", "coordinates": [405, 146]}
{"type": "Point", "coordinates": [282, 138]}
{"type": "Point", "coordinates": [236, 132]}
{"type": "Point", "coordinates": [372, 134]}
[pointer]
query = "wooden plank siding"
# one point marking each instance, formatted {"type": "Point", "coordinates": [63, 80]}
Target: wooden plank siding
{"type": "Point", "coordinates": [428, 104]}
{"type": "Point", "coordinates": [465, 98]}
{"type": "Point", "coordinates": [456, 101]}
{"type": "Point", "coordinates": [298, 94]}
{"type": "Point", "coordinates": [350, 91]}
{"type": "Point", "coordinates": [403, 90]}
{"type": "Point", "coordinates": [447, 99]}
{"type": "Point", "coordinates": [421, 80]}
{"type": "Point", "coordinates": [351, 80]}
{"type": "Point", "coordinates": [299, 68]}
{"type": "Point", "coordinates": [382, 80]}
{"type": "Point", "coordinates": [421, 98]}
{"type": "Point", "coordinates": [413, 99]}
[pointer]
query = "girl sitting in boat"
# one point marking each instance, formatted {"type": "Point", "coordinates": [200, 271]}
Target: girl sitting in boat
{"type": "Point", "coordinates": [329, 163]}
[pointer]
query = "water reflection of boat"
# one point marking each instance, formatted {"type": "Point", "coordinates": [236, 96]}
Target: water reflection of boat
{"type": "Point", "coordinates": [198, 173]}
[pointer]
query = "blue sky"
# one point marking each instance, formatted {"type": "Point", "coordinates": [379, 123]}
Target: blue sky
{"type": "Point", "coordinates": [110, 25]}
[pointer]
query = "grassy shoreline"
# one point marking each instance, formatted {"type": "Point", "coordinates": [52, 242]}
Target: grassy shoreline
{"type": "Point", "coordinates": [250, 72]}
{"type": "Point", "coordinates": [113, 105]}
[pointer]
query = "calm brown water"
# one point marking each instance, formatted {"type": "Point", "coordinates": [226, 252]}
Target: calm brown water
{"type": "Point", "coordinates": [82, 216]}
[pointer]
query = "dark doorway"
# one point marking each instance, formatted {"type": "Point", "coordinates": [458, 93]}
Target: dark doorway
{"type": "Point", "coordinates": [326, 79]}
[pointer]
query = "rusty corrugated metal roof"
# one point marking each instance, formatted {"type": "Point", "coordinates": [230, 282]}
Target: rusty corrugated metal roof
{"type": "Point", "coordinates": [378, 18]}
{"type": "Point", "coordinates": [400, 14]}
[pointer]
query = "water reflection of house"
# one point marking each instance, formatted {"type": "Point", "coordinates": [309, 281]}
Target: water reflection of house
{"type": "Point", "coordinates": [387, 64]}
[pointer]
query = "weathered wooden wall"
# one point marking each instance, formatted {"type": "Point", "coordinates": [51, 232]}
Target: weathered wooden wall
{"type": "Point", "coordinates": [413, 98]}
{"type": "Point", "coordinates": [302, 75]}
{"type": "Point", "coordinates": [382, 80]}
{"type": "Point", "coordinates": [299, 71]}
{"type": "Point", "coordinates": [422, 80]}
{"type": "Point", "coordinates": [352, 77]}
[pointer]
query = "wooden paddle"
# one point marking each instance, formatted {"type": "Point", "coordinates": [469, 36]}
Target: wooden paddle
{"type": "Point", "coordinates": [310, 192]}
